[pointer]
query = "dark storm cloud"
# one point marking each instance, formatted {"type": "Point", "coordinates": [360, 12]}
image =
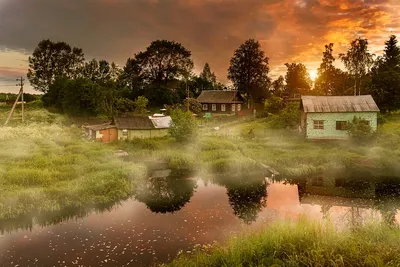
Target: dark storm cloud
{"type": "Point", "coordinates": [291, 30]}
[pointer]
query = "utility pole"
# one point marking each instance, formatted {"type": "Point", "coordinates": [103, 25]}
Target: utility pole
{"type": "Point", "coordinates": [21, 92]}
{"type": "Point", "coordinates": [187, 97]}
{"type": "Point", "coordinates": [21, 84]}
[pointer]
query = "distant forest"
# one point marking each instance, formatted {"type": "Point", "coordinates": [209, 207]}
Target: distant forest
{"type": "Point", "coordinates": [163, 74]}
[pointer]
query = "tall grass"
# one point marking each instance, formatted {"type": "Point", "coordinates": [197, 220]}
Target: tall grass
{"type": "Point", "coordinates": [303, 244]}
{"type": "Point", "coordinates": [48, 167]}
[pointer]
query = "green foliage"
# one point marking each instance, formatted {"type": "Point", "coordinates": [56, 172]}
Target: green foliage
{"type": "Point", "coordinates": [273, 104]}
{"type": "Point", "coordinates": [249, 69]}
{"type": "Point", "coordinates": [385, 77]}
{"type": "Point", "coordinates": [194, 105]}
{"type": "Point", "coordinates": [360, 132]}
{"type": "Point", "coordinates": [47, 168]}
{"type": "Point", "coordinates": [302, 244]}
{"type": "Point", "coordinates": [298, 79]}
{"type": "Point", "coordinates": [357, 60]}
{"type": "Point", "coordinates": [289, 117]}
{"type": "Point", "coordinates": [141, 105]}
{"type": "Point", "coordinates": [51, 60]}
{"type": "Point", "coordinates": [184, 126]}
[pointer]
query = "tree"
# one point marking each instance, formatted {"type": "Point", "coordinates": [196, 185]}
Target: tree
{"type": "Point", "coordinates": [326, 72]}
{"type": "Point", "coordinates": [392, 53]}
{"type": "Point", "coordinates": [298, 79]}
{"type": "Point", "coordinates": [357, 61]}
{"type": "Point", "coordinates": [249, 69]}
{"type": "Point", "coordinates": [385, 77]}
{"type": "Point", "coordinates": [140, 105]}
{"type": "Point", "coordinates": [164, 61]}
{"type": "Point", "coordinates": [100, 71]}
{"type": "Point", "coordinates": [184, 127]}
{"type": "Point", "coordinates": [51, 60]}
{"type": "Point", "coordinates": [208, 77]}
{"type": "Point", "coordinates": [132, 77]}
{"type": "Point", "coordinates": [278, 86]}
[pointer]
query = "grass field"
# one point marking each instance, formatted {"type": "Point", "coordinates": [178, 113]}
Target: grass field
{"type": "Point", "coordinates": [46, 166]}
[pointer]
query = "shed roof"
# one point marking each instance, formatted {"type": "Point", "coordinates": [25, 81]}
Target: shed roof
{"type": "Point", "coordinates": [361, 103]}
{"type": "Point", "coordinates": [220, 96]}
{"type": "Point", "coordinates": [134, 123]}
{"type": "Point", "coordinates": [99, 127]}
{"type": "Point", "coordinates": [161, 122]}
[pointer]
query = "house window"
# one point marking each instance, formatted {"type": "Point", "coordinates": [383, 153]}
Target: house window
{"type": "Point", "coordinates": [341, 125]}
{"type": "Point", "coordinates": [205, 106]}
{"type": "Point", "coordinates": [223, 107]}
{"type": "Point", "coordinates": [213, 107]}
{"type": "Point", "coordinates": [233, 107]}
{"type": "Point", "coordinates": [239, 107]}
{"type": "Point", "coordinates": [124, 132]}
{"type": "Point", "coordinates": [318, 125]}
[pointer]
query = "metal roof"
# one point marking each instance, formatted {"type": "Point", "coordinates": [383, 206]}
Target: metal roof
{"type": "Point", "coordinates": [361, 103]}
{"type": "Point", "coordinates": [161, 122]}
{"type": "Point", "coordinates": [220, 97]}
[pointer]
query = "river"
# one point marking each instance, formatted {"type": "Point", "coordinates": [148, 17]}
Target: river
{"type": "Point", "coordinates": [168, 216]}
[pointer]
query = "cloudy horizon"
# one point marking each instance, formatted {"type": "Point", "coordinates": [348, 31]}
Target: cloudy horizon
{"type": "Point", "coordinates": [288, 30]}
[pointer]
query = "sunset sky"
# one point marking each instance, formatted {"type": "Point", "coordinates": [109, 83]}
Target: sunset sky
{"type": "Point", "coordinates": [288, 30]}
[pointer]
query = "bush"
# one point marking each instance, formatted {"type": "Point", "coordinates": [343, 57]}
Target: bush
{"type": "Point", "coordinates": [288, 117]}
{"type": "Point", "coordinates": [360, 132]}
{"type": "Point", "coordinates": [194, 105]}
{"type": "Point", "coordinates": [184, 127]}
{"type": "Point", "coordinates": [273, 104]}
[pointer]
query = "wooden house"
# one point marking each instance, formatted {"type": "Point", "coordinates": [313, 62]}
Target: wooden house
{"type": "Point", "coordinates": [221, 101]}
{"type": "Point", "coordinates": [142, 127]}
{"type": "Point", "coordinates": [123, 128]}
{"type": "Point", "coordinates": [326, 117]}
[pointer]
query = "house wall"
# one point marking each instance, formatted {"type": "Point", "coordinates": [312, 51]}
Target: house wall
{"type": "Point", "coordinates": [228, 108]}
{"type": "Point", "coordinates": [329, 131]}
{"type": "Point", "coordinates": [133, 134]}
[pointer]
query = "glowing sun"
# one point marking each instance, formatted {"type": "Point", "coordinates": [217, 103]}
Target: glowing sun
{"type": "Point", "coordinates": [313, 75]}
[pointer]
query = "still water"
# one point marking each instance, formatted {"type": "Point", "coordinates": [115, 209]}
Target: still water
{"type": "Point", "coordinates": [170, 215]}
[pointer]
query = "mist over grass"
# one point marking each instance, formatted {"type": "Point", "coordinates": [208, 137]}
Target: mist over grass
{"type": "Point", "coordinates": [46, 166]}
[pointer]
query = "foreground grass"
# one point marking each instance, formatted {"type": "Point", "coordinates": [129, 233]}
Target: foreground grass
{"type": "Point", "coordinates": [303, 244]}
{"type": "Point", "coordinates": [46, 166]}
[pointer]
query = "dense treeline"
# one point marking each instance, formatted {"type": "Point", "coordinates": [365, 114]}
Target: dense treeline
{"type": "Point", "coordinates": [163, 73]}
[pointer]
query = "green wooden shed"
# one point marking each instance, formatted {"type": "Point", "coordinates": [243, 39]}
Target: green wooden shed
{"type": "Point", "coordinates": [326, 117]}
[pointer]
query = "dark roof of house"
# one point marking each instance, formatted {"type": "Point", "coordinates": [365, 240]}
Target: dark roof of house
{"type": "Point", "coordinates": [134, 123]}
{"type": "Point", "coordinates": [219, 96]}
{"type": "Point", "coordinates": [361, 103]}
{"type": "Point", "coordinates": [99, 127]}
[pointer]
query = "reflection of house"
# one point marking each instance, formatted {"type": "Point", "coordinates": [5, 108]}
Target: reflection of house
{"type": "Point", "coordinates": [221, 101]}
{"type": "Point", "coordinates": [331, 191]}
{"type": "Point", "coordinates": [326, 117]}
{"type": "Point", "coordinates": [122, 128]}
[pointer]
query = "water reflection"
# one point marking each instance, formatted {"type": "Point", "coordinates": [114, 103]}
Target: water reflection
{"type": "Point", "coordinates": [44, 219]}
{"type": "Point", "coordinates": [247, 195]}
{"type": "Point", "coordinates": [357, 194]}
{"type": "Point", "coordinates": [165, 191]}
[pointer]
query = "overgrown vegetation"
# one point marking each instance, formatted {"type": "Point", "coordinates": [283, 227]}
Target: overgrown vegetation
{"type": "Point", "coordinates": [46, 166]}
{"type": "Point", "coordinates": [302, 244]}
{"type": "Point", "coordinates": [184, 126]}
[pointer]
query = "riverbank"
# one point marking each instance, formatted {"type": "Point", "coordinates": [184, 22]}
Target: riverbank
{"type": "Point", "coordinates": [46, 167]}
{"type": "Point", "coordinates": [302, 244]}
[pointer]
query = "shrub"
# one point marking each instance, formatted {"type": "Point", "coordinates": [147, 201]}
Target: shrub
{"type": "Point", "coordinates": [288, 117]}
{"type": "Point", "coordinates": [273, 104]}
{"type": "Point", "coordinates": [194, 105]}
{"type": "Point", "coordinates": [184, 127]}
{"type": "Point", "coordinates": [360, 132]}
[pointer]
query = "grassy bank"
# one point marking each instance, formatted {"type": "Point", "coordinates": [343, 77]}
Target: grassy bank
{"type": "Point", "coordinates": [46, 166]}
{"type": "Point", "coordinates": [303, 244]}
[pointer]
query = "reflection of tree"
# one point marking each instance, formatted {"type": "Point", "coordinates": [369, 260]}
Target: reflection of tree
{"type": "Point", "coordinates": [165, 194]}
{"type": "Point", "coordinates": [43, 219]}
{"type": "Point", "coordinates": [247, 198]}
{"type": "Point", "coordinates": [388, 201]}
